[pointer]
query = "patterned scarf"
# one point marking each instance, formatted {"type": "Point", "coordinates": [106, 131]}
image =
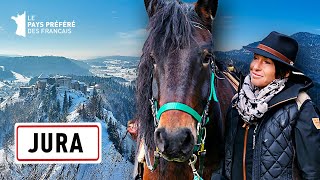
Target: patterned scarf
{"type": "Point", "coordinates": [253, 102]}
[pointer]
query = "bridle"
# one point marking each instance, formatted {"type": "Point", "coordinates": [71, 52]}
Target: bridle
{"type": "Point", "coordinates": [202, 120]}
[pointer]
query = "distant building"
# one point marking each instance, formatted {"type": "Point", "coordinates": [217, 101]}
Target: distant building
{"type": "Point", "coordinates": [79, 86]}
{"type": "Point", "coordinates": [25, 90]}
{"type": "Point", "coordinates": [90, 90]}
{"type": "Point", "coordinates": [42, 81]}
{"type": "Point", "coordinates": [41, 84]}
{"type": "Point", "coordinates": [75, 85]}
{"type": "Point", "coordinates": [43, 77]}
{"type": "Point", "coordinates": [98, 88]}
{"type": "Point", "coordinates": [51, 80]}
{"type": "Point", "coordinates": [63, 81]}
{"type": "Point", "coordinates": [83, 87]}
{"type": "Point", "coordinates": [60, 81]}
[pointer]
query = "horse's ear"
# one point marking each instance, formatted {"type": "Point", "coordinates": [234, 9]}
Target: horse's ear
{"type": "Point", "coordinates": [151, 6]}
{"type": "Point", "coordinates": [206, 10]}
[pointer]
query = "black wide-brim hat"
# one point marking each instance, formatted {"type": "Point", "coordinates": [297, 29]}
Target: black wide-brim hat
{"type": "Point", "coordinates": [278, 47]}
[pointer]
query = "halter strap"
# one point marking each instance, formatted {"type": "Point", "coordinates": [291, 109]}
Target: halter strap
{"type": "Point", "coordinates": [180, 107]}
{"type": "Point", "coordinates": [200, 26]}
{"type": "Point", "coordinates": [185, 108]}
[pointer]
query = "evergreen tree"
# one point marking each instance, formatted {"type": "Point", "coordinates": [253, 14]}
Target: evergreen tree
{"type": "Point", "coordinates": [94, 109]}
{"type": "Point", "coordinates": [58, 106]}
{"type": "Point", "coordinates": [83, 112]}
{"type": "Point", "coordinates": [94, 92]}
{"type": "Point", "coordinates": [53, 114]}
{"type": "Point", "coordinates": [99, 108]}
{"type": "Point", "coordinates": [70, 101]}
{"type": "Point", "coordinates": [45, 104]}
{"type": "Point", "coordinates": [65, 105]}
{"type": "Point", "coordinates": [53, 92]}
{"type": "Point", "coordinates": [114, 136]}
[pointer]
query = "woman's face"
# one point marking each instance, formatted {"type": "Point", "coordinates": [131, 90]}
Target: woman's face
{"type": "Point", "coordinates": [262, 71]}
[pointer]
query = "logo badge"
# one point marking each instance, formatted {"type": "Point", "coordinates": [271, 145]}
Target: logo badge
{"type": "Point", "coordinates": [29, 24]}
{"type": "Point", "coordinates": [316, 122]}
{"type": "Point", "coordinates": [21, 24]}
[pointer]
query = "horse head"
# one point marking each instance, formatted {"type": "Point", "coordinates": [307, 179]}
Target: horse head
{"type": "Point", "coordinates": [175, 71]}
{"type": "Point", "coordinates": [176, 91]}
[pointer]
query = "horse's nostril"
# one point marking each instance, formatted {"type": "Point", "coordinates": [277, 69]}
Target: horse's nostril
{"type": "Point", "coordinates": [187, 141]}
{"type": "Point", "coordinates": [176, 144]}
{"type": "Point", "coordinates": [160, 138]}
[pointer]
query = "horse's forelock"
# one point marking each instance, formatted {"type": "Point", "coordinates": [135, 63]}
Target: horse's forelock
{"type": "Point", "coordinates": [170, 27]}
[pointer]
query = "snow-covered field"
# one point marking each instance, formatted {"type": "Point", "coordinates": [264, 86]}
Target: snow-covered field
{"type": "Point", "coordinates": [10, 86]}
{"type": "Point", "coordinates": [116, 68]}
{"type": "Point", "coordinates": [10, 100]}
{"type": "Point", "coordinates": [20, 78]}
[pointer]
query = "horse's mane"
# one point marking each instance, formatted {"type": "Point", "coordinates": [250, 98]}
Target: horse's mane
{"type": "Point", "coordinates": [170, 29]}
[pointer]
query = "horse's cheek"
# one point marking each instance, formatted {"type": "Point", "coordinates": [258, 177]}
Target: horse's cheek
{"type": "Point", "coordinates": [147, 174]}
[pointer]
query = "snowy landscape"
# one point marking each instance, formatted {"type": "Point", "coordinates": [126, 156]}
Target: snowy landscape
{"type": "Point", "coordinates": [115, 66]}
{"type": "Point", "coordinates": [58, 89]}
{"type": "Point", "coordinates": [68, 99]}
{"type": "Point", "coordinates": [10, 86]}
{"type": "Point", "coordinates": [113, 165]}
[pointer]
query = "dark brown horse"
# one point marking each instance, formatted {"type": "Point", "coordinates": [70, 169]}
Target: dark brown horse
{"type": "Point", "coordinates": [180, 76]}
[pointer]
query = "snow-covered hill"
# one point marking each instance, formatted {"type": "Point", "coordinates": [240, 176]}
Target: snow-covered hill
{"type": "Point", "coordinates": [10, 82]}
{"type": "Point", "coordinates": [113, 166]}
{"type": "Point", "coordinates": [20, 78]}
{"type": "Point", "coordinates": [3, 85]}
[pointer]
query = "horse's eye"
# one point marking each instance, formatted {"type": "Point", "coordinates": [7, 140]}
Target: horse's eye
{"type": "Point", "coordinates": [207, 59]}
{"type": "Point", "coordinates": [206, 56]}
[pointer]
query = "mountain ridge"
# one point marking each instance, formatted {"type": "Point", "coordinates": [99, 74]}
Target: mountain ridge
{"type": "Point", "coordinates": [36, 65]}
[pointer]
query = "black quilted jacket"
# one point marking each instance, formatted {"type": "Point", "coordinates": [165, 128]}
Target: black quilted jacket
{"type": "Point", "coordinates": [287, 144]}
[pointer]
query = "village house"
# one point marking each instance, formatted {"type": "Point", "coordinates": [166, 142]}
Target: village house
{"type": "Point", "coordinates": [25, 90]}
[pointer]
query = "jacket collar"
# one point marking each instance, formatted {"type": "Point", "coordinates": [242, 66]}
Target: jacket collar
{"type": "Point", "coordinates": [291, 90]}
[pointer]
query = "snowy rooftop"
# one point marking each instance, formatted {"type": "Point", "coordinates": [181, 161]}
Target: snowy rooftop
{"type": "Point", "coordinates": [43, 76]}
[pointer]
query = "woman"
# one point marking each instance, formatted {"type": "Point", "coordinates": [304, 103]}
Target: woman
{"type": "Point", "coordinates": [267, 135]}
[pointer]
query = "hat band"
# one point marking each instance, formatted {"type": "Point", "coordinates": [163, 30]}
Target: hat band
{"type": "Point", "coordinates": [275, 53]}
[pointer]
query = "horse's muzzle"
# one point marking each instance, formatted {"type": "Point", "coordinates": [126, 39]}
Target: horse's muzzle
{"type": "Point", "coordinates": [175, 146]}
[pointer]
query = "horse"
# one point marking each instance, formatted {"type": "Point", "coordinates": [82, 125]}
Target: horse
{"type": "Point", "coordinates": [182, 95]}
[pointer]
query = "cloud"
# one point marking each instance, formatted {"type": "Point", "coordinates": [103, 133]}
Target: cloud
{"type": "Point", "coordinates": [136, 34]}
{"type": "Point", "coordinates": [1, 29]}
{"type": "Point", "coordinates": [227, 17]}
